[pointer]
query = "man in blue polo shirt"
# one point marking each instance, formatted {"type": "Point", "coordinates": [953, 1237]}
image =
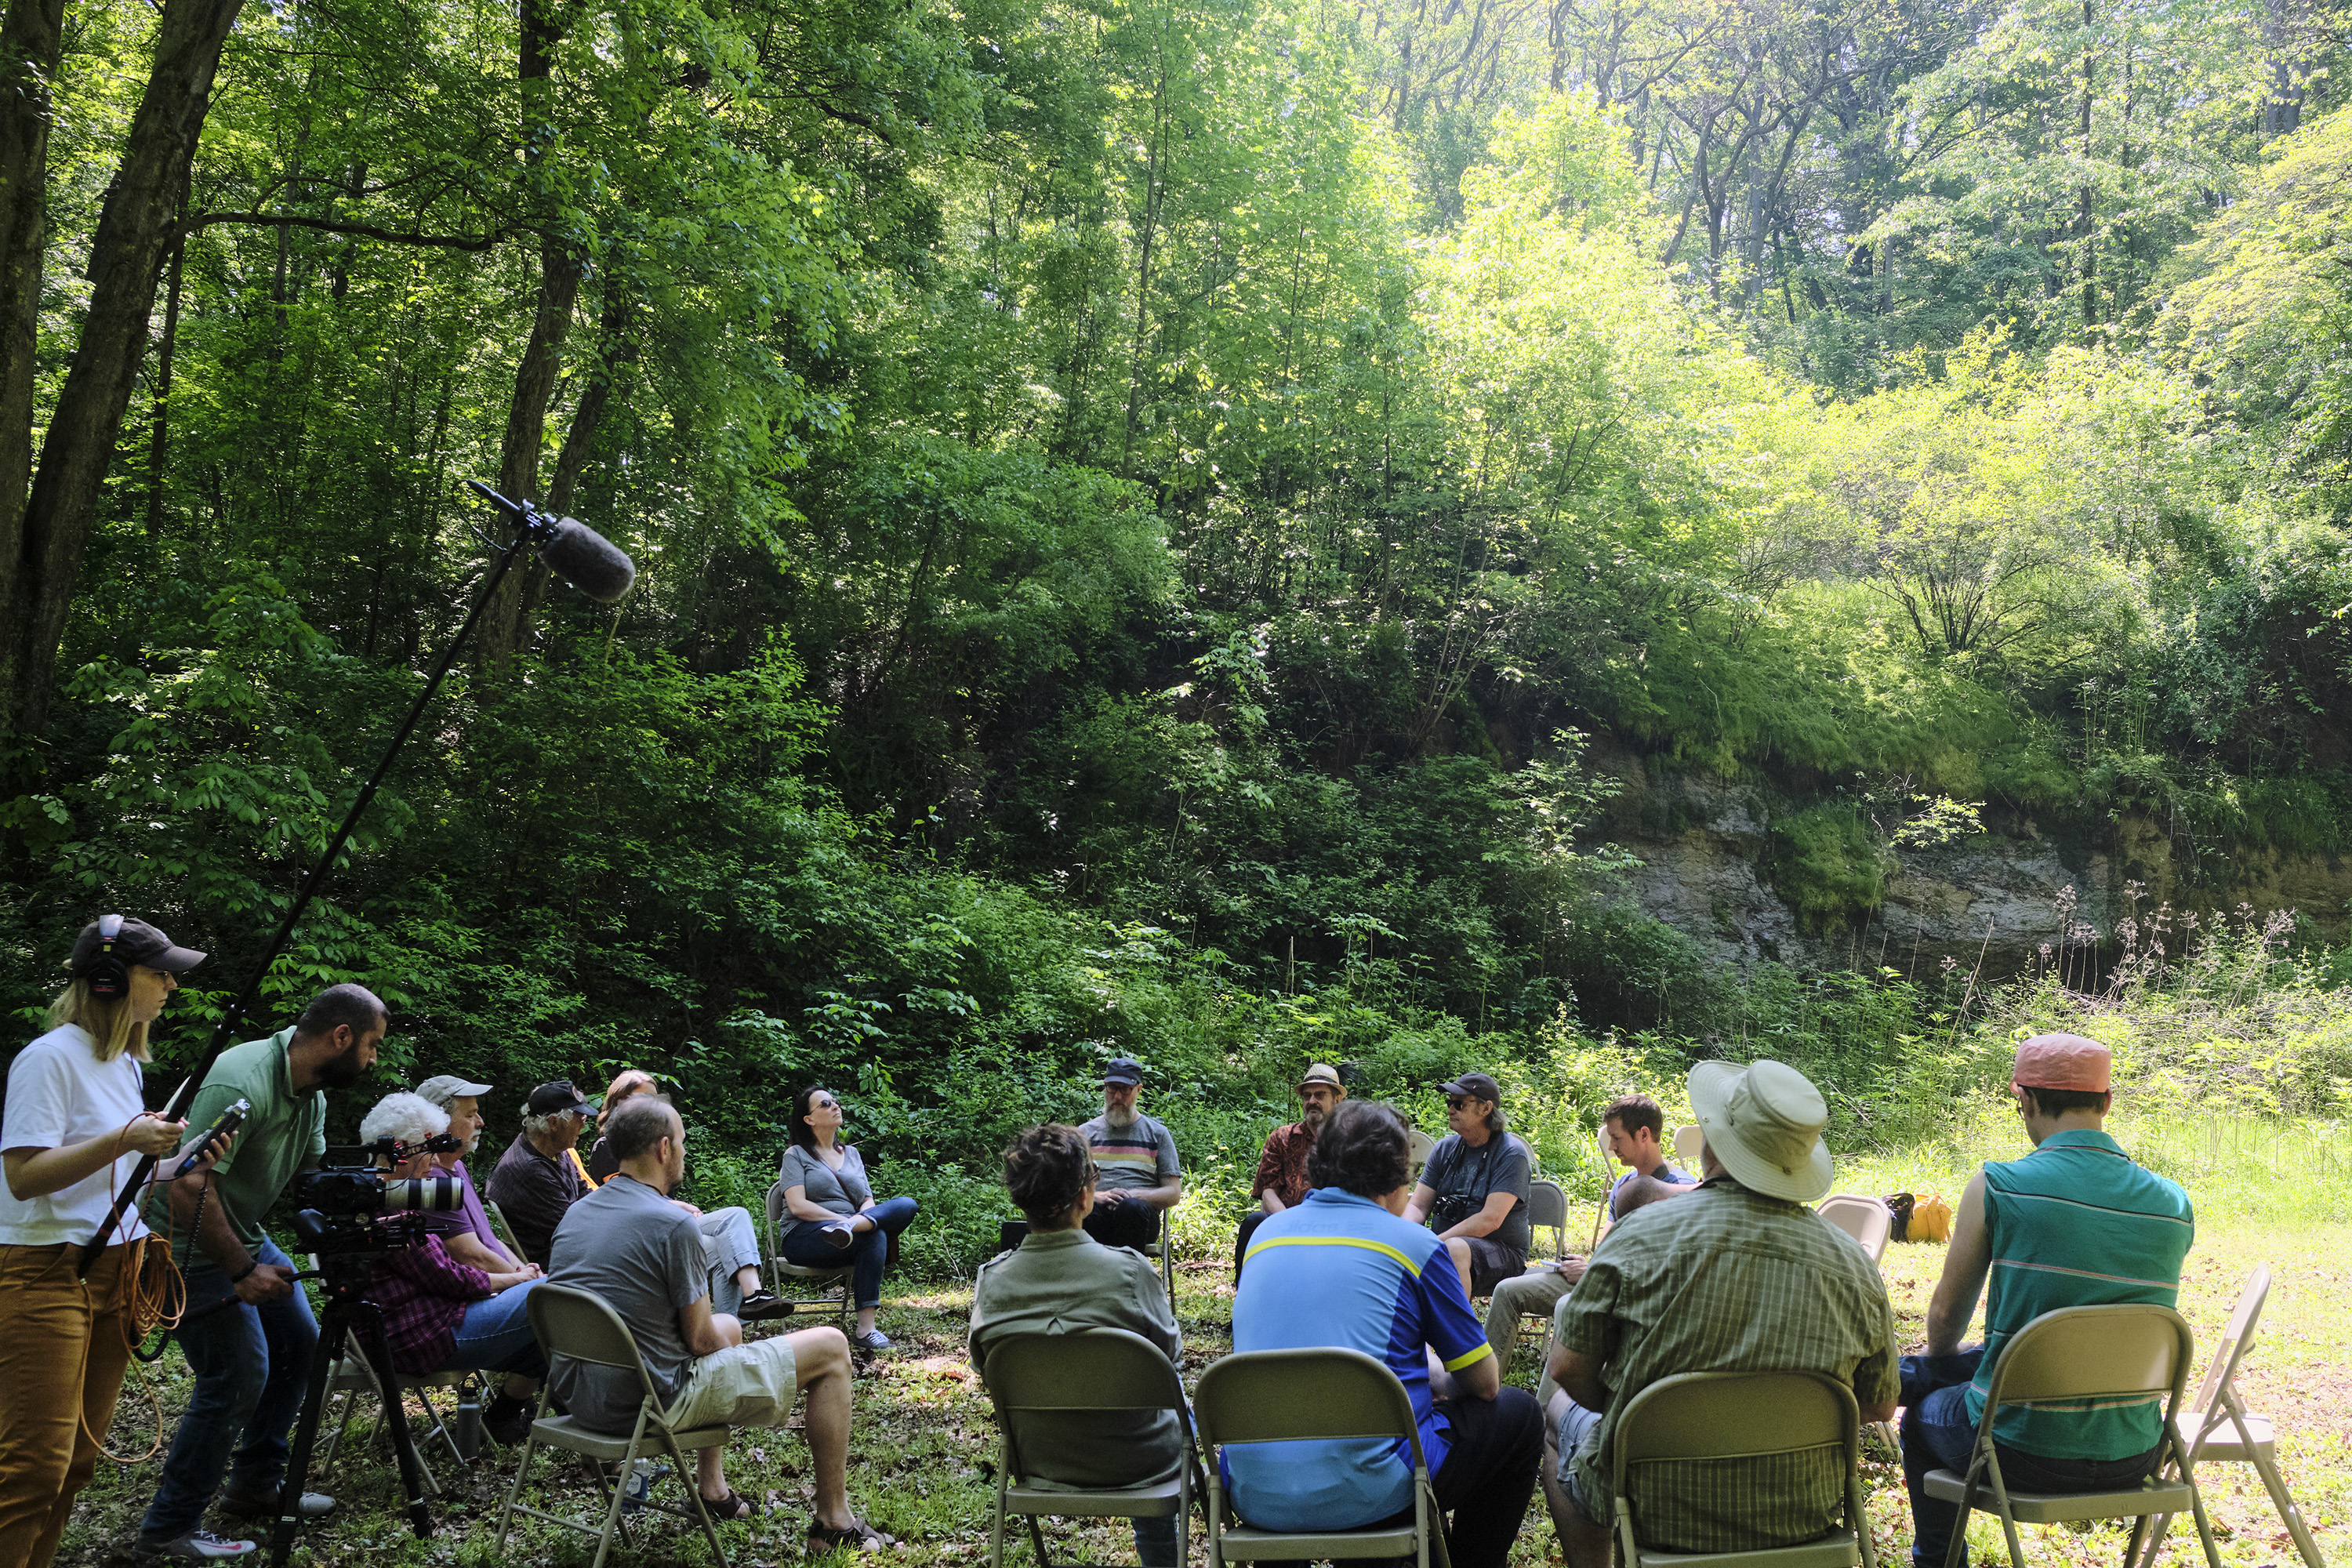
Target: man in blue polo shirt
{"type": "Point", "coordinates": [1344, 1269]}
{"type": "Point", "coordinates": [2076, 1222]}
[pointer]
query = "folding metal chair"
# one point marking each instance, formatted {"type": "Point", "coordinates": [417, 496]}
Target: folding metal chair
{"type": "Point", "coordinates": [1418, 1147]}
{"type": "Point", "coordinates": [1863, 1218]}
{"type": "Point", "coordinates": [824, 1277]}
{"type": "Point", "coordinates": [1548, 1210]}
{"type": "Point", "coordinates": [2070, 1356]}
{"type": "Point", "coordinates": [575, 1324]}
{"type": "Point", "coordinates": [1284, 1396]}
{"type": "Point", "coordinates": [1732, 1415]}
{"type": "Point", "coordinates": [1099, 1372]}
{"type": "Point", "coordinates": [504, 1231]}
{"type": "Point", "coordinates": [2216, 1426]}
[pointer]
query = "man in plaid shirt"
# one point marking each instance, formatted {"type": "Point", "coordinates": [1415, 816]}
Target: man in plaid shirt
{"type": "Point", "coordinates": [1739, 1275]}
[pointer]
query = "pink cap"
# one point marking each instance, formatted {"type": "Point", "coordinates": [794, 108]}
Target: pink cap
{"type": "Point", "coordinates": [2062, 1061]}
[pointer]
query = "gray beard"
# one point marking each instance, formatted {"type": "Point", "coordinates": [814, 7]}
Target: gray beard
{"type": "Point", "coordinates": [1313, 1120]}
{"type": "Point", "coordinates": [1121, 1120]}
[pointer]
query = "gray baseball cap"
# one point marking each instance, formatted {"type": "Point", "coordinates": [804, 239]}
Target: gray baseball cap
{"type": "Point", "coordinates": [448, 1087]}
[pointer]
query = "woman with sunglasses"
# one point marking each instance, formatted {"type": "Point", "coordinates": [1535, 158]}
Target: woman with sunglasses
{"type": "Point", "coordinates": [831, 1215]}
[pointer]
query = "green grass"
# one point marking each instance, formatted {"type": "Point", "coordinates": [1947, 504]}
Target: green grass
{"type": "Point", "coordinates": [924, 1446]}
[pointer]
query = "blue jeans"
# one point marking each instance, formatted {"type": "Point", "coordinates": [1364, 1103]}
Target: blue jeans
{"type": "Point", "coordinates": [495, 1335]}
{"type": "Point", "coordinates": [811, 1246]}
{"type": "Point", "coordinates": [1155, 1541]}
{"type": "Point", "coordinates": [1938, 1435]}
{"type": "Point", "coordinates": [252, 1366]}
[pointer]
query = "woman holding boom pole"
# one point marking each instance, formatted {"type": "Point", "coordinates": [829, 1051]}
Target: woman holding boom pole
{"type": "Point", "coordinates": [75, 1125]}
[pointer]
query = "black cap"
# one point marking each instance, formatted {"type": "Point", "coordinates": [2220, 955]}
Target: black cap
{"type": "Point", "coordinates": [1476, 1085]}
{"type": "Point", "coordinates": [1123, 1069]}
{"type": "Point", "coordinates": [549, 1098]}
{"type": "Point", "coordinates": [136, 942]}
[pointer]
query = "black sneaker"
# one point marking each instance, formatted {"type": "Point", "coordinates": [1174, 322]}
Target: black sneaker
{"type": "Point", "coordinates": [761, 1305]}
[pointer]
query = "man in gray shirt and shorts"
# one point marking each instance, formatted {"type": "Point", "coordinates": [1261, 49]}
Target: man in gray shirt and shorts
{"type": "Point", "coordinates": [628, 1244]}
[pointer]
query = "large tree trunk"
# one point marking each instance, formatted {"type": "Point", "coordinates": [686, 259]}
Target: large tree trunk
{"type": "Point", "coordinates": [29, 42]}
{"type": "Point", "coordinates": [507, 621]}
{"type": "Point", "coordinates": [135, 232]}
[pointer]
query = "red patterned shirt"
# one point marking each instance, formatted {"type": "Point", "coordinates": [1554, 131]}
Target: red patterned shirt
{"type": "Point", "coordinates": [422, 1292]}
{"type": "Point", "coordinates": [1282, 1166]}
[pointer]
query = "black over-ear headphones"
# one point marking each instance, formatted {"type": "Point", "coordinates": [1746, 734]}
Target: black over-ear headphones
{"type": "Point", "coordinates": [107, 975]}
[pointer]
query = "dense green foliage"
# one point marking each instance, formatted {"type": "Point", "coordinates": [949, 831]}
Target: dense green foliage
{"type": "Point", "coordinates": [1143, 507]}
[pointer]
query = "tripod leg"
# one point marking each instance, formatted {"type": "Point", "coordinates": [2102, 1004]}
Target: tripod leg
{"type": "Point", "coordinates": [369, 1326]}
{"type": "Point", "coordinates": [306, 1433]}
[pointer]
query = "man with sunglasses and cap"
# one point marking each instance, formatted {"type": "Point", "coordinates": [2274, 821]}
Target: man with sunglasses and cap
{"type": "Point", "coordinates": [1474, 1190]}
{"type": "Point", "coordinates": [2076, 1223]}
{"type": "Point", "coordinates": [540, 1176]}
{"type": "Point", "coordinates": [1281, 1181]}
{"type": "Point", "coordinates": [1135, 1158]}
{"type": "Point", "coordinates": [1739, 1276]}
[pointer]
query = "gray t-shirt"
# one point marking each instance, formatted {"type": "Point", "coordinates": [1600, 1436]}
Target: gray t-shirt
{"type": "Point", "coordinates": [642, 1254]}
{"type": "Point", "coordinates": [1501, 1166]}
{"type": "Point", "coordinates": [844, 1191]}
{"type": "Point", "coordinates": [1135, 1158]}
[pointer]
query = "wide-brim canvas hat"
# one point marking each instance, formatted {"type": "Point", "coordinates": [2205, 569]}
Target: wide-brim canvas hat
{"type": "Point", "coordinates": [1764, 1121]}
{"type": "Point", "coordinates": [1323, 1073]}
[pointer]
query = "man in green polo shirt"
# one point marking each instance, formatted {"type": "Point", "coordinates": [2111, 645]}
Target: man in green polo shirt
{"type": "Point", "coordinates": [251, 1358]}
{"type": "Point", "coordinates": [2074, 1224]}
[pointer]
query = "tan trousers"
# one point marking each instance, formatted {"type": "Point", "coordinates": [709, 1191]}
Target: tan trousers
{"type": "Point", "coordinates": [65, 1344]}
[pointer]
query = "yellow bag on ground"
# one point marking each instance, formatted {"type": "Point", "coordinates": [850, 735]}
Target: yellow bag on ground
{"type": "Point", "coordinates": [1931, 1219]}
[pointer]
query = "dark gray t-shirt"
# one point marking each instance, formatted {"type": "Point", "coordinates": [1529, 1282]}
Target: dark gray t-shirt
{"type": "Point", "coordinates": [642, 1254]}
{"type": "Point", "coordinates": [1501, 1166]}
{"type": "Point", "coordinates": [845, 1191]}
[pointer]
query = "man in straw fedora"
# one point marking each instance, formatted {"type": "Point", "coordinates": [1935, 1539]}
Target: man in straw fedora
{"type": "Point", "coordinates": [1739, 1276]}
{"type": "Point", "coordinates": [2076, 1223]}
{"type": "Point", "coordinates": [1281, 1181]}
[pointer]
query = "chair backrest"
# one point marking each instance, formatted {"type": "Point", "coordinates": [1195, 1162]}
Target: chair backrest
{"type": "Point", "coordinates": [573, 1323]}
{"type": "Point", "coordinates": [1418, 1146]}
{"type": "Point", "coordinates": [1688, 1143]}
{"type": "Point", "coordinates": [1548, 1205]}
{"type": "Point", "coordinates": [1735, 1416]}
{"type": "Point", "coordinates": [2076, 1352]}
{"type": "Point", "coordinates": [1280, 1397]}
{"type": "Point", "coordinates": [2236, 1339]}
{"type": "Point", "coordinates": [1863, 1218]}
{"type": "Point", "coordinates": [504, 1231]}
{"type": "Point", "coordinates": [1098, 1368]}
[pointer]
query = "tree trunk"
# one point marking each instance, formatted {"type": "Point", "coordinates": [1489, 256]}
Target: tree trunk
{"type": "Point", "coordinates": [506, 620]}
{"type": "Point", "coordinates": [30, 39]}
{"type": "Point", "coordinates": [134, 233]}
{"type": "Point", "coordinates": [159, 447]}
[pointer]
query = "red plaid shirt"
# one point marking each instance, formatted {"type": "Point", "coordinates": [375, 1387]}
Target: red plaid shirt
{"type": "Point", "coordinates": [1283, 1164]}
{"type": "Point", "coordinates": [422, 1292]}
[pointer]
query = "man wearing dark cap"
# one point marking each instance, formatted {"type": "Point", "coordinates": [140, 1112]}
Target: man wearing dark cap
{"type": "Point", "coordinates": [1474, 1191]}
{"type": "Point", "coordinates": [2074, 1224]}
{"type": "Point", "coordinates": [1135, 1161]}
{"type": "Point", "coordinates": [1282, 1182]}
{"type": "Point", "coordinates": [538, 1176]}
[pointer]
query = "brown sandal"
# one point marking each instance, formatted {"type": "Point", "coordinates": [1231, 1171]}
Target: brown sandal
{"type": "Point", "coordinates": [730, 1507]}
{"type": "Point", "coordinates": [859, 1535]}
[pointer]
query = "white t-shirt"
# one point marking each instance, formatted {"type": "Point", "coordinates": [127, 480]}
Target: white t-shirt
{"type": "Point", "coordinates": [60, 1093]}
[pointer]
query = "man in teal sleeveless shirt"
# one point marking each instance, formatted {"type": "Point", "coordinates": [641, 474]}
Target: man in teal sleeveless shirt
{"type": "Point", "coordinates": [2075, 1224]}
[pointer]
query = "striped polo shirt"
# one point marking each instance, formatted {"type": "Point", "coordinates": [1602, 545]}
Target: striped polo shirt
{"type": "Point", "coordinates": [2077, 1224]}
{"type": "Point", "coordinates": [1341, 1271]}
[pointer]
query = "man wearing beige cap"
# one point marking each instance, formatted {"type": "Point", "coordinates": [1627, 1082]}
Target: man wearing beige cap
{"type": "Point", "coordinates": [466, 1231]}
{"type": "Point", "coordinates": [2074, 1224]}
{"type": "Point", "coordinates": [1739, 1276]}
{"type": "Point", "coordinates": [1281, 1181]}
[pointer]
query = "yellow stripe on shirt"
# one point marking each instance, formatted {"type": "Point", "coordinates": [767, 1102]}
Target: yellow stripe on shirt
{"type": "Point", "coordinates": [1410, 1266]}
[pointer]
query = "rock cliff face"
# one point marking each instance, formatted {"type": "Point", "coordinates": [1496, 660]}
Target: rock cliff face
{"type": "Point", "coordinates": [1707, 853]}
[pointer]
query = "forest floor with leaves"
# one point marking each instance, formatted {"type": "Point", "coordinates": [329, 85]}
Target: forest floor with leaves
{"type": "Point", "coordinates": [924, 1447]}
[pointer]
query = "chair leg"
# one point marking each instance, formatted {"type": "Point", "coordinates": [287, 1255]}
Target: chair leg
{"type": "Point", "coordinates": [514, 1492]}
{"type": "Point", "coordinates": [2009, 1520]}
{"type": "Point", "coordinates": [620, 1488]}
{"type": "Point", "coordinates": [2267, 1467]}
{"type": "Point", "coordinates": [996, 1522]}
{"type": "Point", "coordinates": [1037, 1540]}
{"type": "Point", "coordinates": [694, 1488]}
{"type": "Point", "coordinates": [1957, 1553]}
{"type": "Point", "coordinates": [2197, 1507]}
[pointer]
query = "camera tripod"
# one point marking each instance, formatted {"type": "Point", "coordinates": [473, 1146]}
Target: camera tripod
{"type": "Point", "coordinates": [350, 1316]}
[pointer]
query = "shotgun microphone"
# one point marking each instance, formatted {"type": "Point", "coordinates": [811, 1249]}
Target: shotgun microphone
{"type": "Point", "coordinates": [569, 548]}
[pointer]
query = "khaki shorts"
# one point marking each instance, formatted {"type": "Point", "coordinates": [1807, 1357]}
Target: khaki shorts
{"type": "Point", "coordinates": [743, 1386]}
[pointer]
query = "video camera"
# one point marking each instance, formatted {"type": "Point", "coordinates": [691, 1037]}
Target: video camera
{"type": "Point", "coordinates": [351, 1182]}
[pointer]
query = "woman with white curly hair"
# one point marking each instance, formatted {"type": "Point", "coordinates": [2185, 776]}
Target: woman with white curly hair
{"type": "Point", "coordinates": [441, 1315]}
